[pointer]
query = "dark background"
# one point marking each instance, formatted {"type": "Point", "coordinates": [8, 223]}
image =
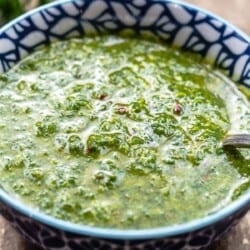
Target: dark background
{"type": "Point", "coordinates": [9, 9]}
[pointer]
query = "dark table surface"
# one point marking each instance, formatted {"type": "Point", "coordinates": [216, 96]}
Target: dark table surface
{"type": "Point", "coordinates": [237, 12]}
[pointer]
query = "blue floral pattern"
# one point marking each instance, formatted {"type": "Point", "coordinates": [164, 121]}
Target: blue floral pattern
{"type": "Point", "coordinates": [53, 239]}
{"type": "Point", "coordinates": [178, 24]}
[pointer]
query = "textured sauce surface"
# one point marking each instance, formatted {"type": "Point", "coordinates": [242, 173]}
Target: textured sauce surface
{"type": "Point", "coordinates": [98, 132]}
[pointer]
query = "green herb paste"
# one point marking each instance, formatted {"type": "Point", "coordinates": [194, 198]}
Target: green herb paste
{"type": "Point", "coordinates": [121, 133]}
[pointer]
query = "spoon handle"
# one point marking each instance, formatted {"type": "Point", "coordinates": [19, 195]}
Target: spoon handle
{"type": "Point", "coordinates": [237, 140]}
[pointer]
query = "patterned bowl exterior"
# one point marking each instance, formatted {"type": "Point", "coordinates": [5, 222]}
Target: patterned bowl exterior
{"type": "Point", "coordinates": [180, 24]}
{"type": "Point", "coordinates": [50, 238]}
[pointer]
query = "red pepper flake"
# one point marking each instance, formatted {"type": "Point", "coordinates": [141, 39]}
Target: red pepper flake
{"type": "Point", "coordinates": [177, 108]}
{"type": "Point", "coordinates": [102, 96]}
{"type": "Point", "coordinates": [88, 150]}
{"type": "Point", "coordinates": [122, 110]}
{"type": "Point", "coordinates": [204, 177]}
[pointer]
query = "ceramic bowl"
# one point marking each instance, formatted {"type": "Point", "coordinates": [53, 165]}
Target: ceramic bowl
{"type": "Point", "coordinates": [178, 23]}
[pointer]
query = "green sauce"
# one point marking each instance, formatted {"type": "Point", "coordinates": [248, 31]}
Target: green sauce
{"type": "Point", "coordinates": [120, 132]}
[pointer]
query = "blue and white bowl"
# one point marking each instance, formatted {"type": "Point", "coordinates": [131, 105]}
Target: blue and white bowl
{"type": "Point", "coordinates": [178, 23]}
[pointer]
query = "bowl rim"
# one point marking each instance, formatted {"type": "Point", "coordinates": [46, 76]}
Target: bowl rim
{"type": "Point", "coordinates": [127, 234]}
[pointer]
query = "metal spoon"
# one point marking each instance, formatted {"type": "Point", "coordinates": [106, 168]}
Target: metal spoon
{"type": "Point", "coordinates": [237, 141]}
